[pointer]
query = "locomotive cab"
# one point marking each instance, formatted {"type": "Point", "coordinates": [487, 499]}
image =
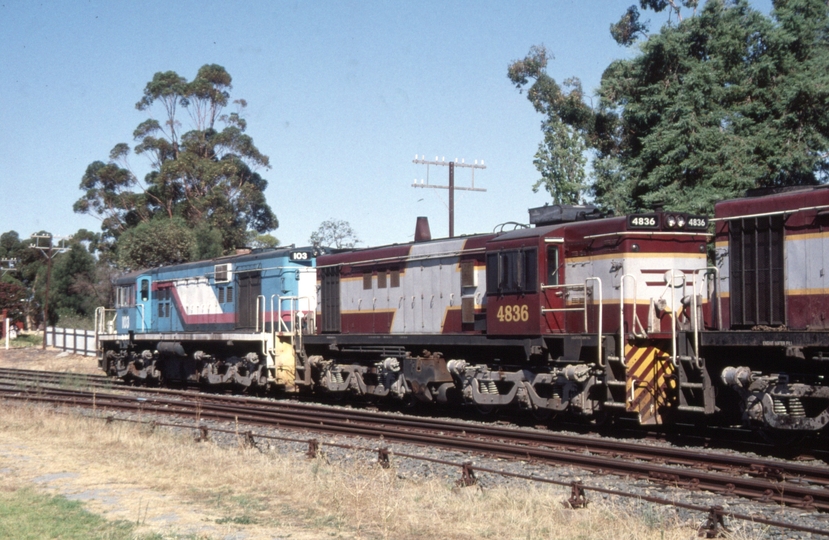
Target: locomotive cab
{"type": "Point", "coordinates": [563, 276]}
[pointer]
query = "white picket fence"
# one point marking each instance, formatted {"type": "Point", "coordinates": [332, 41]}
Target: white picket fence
{"type": "Point", "coordinates": [71, 340]}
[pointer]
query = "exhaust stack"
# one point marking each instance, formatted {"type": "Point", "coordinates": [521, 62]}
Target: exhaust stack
{"type": "Point", "coordinates": [422, 232]}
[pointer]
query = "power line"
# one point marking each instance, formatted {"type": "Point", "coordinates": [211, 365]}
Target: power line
{"type": "Point", "coordinates": [451, 187]}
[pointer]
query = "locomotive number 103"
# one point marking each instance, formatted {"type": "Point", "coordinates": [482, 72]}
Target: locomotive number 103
{"type": "Point", "coordinates": [513, 313]}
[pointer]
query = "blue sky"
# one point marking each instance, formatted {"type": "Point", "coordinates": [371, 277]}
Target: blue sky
{"type": "Point", "coordinates": [341, 96]}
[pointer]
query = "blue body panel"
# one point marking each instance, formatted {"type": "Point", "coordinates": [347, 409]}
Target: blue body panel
{"type": "Point", "coordinates": [235, 293]}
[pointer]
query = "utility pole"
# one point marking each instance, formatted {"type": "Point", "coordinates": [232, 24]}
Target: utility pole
{"type": "Point", "coordinates": [50, 252]}
{"type": "Point", "coordinates": [451, 187]}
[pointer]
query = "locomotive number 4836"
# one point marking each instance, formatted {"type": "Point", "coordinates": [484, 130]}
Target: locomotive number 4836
{"type": "Point", "coordinates": [513, 313]}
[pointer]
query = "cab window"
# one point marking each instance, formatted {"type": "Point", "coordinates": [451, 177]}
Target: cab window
{"type": "Point", "coordinates": [552, 265]}
{"type": "Point", "coordinates": [512, 272]}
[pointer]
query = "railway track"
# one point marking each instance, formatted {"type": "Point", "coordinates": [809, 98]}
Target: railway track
{"type": "Point", "coordinates": [798, 485]}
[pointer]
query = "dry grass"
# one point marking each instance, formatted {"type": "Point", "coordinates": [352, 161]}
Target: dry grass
{"type": "Point", "coordinates": [168, 482]}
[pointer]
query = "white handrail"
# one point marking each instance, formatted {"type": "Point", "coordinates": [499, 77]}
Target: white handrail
{"type": "Point", "coordinates": [291, 299]}
{"type": "Point", "coordinates": [705, 272]}
{"type": "Point", "coordinates": [143, 322]}
{"type": "Point", "coordinates": [671, 286]}
{"type": "Point", "coordinates": [601, 304]}
{"type": "Point", "coordinates": [564, 286]}
{"type": "Point", "coordinates": [296, 318]}
{"type": "Point", "coordinates": [583, 286]}
{"type": "Point", "coordinates": [264, 307]}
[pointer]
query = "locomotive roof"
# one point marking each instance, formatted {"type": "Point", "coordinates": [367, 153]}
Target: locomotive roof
{"type": "Point", "coordinates": [572, 228]}
{"type": "Point", "coordinates": [255, 255]}
{"type": "Point", "coordinates": [774, 203]}
{"type": "Point", "coordinates": [398, 252]}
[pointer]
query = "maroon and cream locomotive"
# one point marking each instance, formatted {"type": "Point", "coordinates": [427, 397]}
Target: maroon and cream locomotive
{"type": "Point", "coordinates": [582, 314]}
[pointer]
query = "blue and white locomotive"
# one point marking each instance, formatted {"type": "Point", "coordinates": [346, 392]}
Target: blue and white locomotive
{"type": "Point", "coordinates": [230, 320]}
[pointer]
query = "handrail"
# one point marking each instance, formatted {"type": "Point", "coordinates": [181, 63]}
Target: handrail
{"type": "Point", "coordinates": [564, 286]}
{"type": "Point", "coordinates": [622, 316]}
{"type": "Point", "coordinates": [583, 286]}
{"type": "Point", "coordinates": [635, 319]}
{"type": "Point", "coordinates": [264, 307]}
{"type": "Point", "coordinates": [705, 272]}
{"type": "Point", "coordinates": [296, 318]}
{"type": "Point", "coordinates": [291, 299]}
{"type": "Point", "coordinates": [143, 322]}
{"type": "Point", "coordinates": [670, 286]}
{"type": "Point", "coordinates": [100, 322]}
{"type": "Point", "coordinates": [601, 304]}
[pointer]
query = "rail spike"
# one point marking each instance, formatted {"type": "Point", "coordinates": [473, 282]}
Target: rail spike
{"type": "Point", "coordinates": [467, 476]}
{"type": "Point", "coordinates": [313, 449]}
{"type": "Point", "coordinates": [383, 457]}
{"type": "Point", "coordinates": [578, 497]}
{"type": "Point", "coordinates": [714, 526]}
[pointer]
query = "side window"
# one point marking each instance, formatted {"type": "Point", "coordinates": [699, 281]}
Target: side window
{"type": "Point", "coordinates": [163, 297]}
{"type": "Point", "coordinates": [230, 294]}
{"type": "Point", "coordinates": [493, 273]}
{"type": "Point", "coordinates": [530, 270]}
{"type": "Point", "coordinates": [552, 265]}
{"type": "Point", "coordinates": [221, 295]}
{"type": "Point", "coordinates": [125, 296]}
{"type": "Point", "coordinates": [145, 290]}
{"type": "Point", "coordinates": [512, 272]}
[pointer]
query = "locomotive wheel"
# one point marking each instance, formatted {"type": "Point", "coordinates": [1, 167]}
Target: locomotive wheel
{"type": "Point", "coordinates": [779, 437]}
{"type": "Point", "coordinates": [542, 414]}
{"type": "Point", "coordinates": [485, 410]}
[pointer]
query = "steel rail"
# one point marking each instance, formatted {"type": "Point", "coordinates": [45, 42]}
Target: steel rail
{"type": "Point", "coordinates": [758, 489]}
{"type": "Point", "coordinates": [731, 464]}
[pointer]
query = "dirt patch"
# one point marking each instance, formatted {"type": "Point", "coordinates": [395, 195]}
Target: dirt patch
{"type": "Point", "coordinates": [48, 360]}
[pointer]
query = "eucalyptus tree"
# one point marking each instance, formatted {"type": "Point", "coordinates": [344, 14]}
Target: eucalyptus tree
{"type": "Point", "coordinates": [203, 170]}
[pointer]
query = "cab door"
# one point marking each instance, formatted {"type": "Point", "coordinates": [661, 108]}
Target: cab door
{"type": "Point", "coordinates": [144, 305]}
{"type": "Point", "coordinates": [249, 285]}
{"type": "Point", "coordinates": [513, 291]}
{"type": "Point", "coordinates": [553, 293]}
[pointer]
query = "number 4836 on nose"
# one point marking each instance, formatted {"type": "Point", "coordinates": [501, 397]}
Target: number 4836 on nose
{"type": "Point", "coordinates": [513, 313]}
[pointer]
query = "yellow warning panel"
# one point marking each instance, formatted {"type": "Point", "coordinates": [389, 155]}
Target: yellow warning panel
{"type": "Point", "coordinates": [651, 385]}
{"type": "Point", "coordinates": [284, 360]}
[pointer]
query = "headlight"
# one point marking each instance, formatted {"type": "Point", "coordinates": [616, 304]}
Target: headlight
{"type": "Point", "coordinates": [671, 221]}
{"type": "Point", "coordinates": [680, 221]}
